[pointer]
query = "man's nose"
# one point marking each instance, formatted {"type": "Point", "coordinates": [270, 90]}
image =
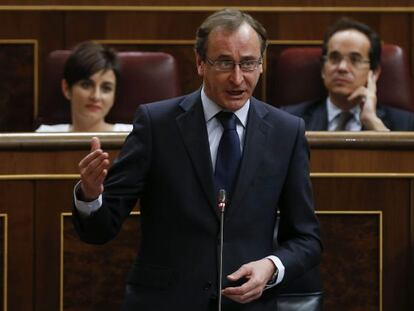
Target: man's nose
{"type": "Point", "coordinates": [343, 64]}
{"type": "Point", "coordinates": [236, 75]}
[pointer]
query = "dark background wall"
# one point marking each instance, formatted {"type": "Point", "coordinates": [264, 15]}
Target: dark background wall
{"type": "Point", "coordinates": [30, 31]}
{"type": "Point", "coordinates": [43, 263]}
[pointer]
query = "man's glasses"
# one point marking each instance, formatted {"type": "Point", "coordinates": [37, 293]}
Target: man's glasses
{"type": "Point", "coordinates": [227, 65]}
{"type": "Point", "coordinates": [355, 60]}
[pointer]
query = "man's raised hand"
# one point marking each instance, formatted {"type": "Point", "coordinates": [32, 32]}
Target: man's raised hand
{"type": "Point", "coordinates": [93, 169]}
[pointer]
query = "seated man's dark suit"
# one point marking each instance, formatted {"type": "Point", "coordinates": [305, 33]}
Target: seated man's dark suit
{"type": "Point", "coordinates": [166, 162]}
{"type": "Point", "coordinates": [315, 115]}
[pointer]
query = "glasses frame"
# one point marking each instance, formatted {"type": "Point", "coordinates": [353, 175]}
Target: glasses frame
{"type": "Point", "coordinates": [348, 59]}
{"type": "Point", "coordinates": [216, 64]}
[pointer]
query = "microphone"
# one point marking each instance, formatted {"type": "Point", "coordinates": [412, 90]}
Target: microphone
{"type": "Point", "coordinates": [221, 204]}
{"type": "Point", "coordinates": [222, 200]}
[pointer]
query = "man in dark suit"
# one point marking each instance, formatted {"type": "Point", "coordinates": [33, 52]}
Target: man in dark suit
{"type": "Point", "coordinates": [173, 162]}
{"type": "Point", "coordinates": [351, 66]}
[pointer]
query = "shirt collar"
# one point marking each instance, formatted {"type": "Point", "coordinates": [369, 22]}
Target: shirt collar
{"type": "Point", "coordinates": [333, 111]}
{"type": "Point", "coordinates": [211, 109]}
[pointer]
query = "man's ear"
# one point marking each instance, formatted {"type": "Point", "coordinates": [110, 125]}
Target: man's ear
{"type": "Point", "coordinates": [65, 89]}
{"type": "Point", "coordinates": [261, 67]}
{"type": "Point", "coordinates": [200, 64]}
{"type": "Point", "coordinates": [323, 72]}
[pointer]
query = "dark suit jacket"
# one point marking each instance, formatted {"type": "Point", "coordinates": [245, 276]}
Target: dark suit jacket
{"type": "Point", "coordinates": [315, 115]}
{"type": "Point", "coordinates": [165, 162]}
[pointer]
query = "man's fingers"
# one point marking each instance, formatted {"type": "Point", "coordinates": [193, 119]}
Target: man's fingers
{"type": "Point", "coordinates": [247, 292]}
{"type": "Point", "coordinates": [101, 177]}
{"type": "Point", "coordinates": [91, 157]}
{"type": "Point", "coordinates": [358, 94]}
{"type": "Point", "coordinates": [372, 82]}
{"type": "Point", "coordinates": [241, 272]}
{"type": "Point", "coordinates": [246, 287]}
{"type": "Point", "coordinates": [92, 186]}
{"type": "Point", "coordinates": [257, 274]}
{"type": "Point", "coordinates": [94, 169]}
{"type": "Point", "coordinates": [96, 153]}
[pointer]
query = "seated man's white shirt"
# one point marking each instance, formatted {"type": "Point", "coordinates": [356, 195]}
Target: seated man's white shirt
{"type": "Point", "coordinates": [354, 124]}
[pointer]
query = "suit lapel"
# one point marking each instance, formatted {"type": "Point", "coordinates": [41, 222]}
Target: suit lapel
{"type": "Point", "coordinates": [317, 117]}
{"type": "Point", "coordinates": [193, 130]}
{"type": "Point", "coordinates": [382, 114]}
{"type": "Point", "coordinates": [254, 145]}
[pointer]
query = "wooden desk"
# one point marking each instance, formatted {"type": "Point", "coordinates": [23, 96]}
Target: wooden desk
{"type": "Point", "coordinates": [363, 187]}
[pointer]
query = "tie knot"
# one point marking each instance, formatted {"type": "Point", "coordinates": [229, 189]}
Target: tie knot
{"type": "Point", "coordinates": [227, 119]}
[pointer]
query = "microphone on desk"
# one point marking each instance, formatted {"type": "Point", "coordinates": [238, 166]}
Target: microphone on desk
{"type": "Point", "coordinates": [221, 204]}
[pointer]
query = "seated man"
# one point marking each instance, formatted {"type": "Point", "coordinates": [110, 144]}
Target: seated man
{"type": "Point", "coordinates": [350, 69]}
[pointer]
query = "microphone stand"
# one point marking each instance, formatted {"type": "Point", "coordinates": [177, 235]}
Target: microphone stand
{"type": "Point", "coordinates": [221, 206]}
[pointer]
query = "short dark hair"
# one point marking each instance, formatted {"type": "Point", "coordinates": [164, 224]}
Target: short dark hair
{"type": "Point", "coordinates": [229, 19]}
{"type": "Point", "coordinates": [88, 58]}
{"type": "Point", "coordinates": [346, 23]}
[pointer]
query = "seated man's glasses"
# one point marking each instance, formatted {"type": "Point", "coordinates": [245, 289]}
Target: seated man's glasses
{"type": "Point", "coordinates": [227, 65]}
{"type": "Point", "coordinates": [354, 59]}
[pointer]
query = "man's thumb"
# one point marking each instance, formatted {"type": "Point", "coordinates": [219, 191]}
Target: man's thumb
{"type": "Point", "coordinates": [95, 144]}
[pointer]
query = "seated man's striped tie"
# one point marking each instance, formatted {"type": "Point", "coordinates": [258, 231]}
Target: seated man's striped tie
{"type": "Point", "coordinates": [343, 119]}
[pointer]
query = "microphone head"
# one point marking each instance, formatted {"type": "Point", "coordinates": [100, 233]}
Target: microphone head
{"type": "Point", "coordinates": [222, 196]}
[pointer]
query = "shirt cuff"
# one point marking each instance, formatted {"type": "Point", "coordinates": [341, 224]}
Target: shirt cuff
{"type": "Point", "coordinates": [85, 209]}
{"type": "Point", "coordinates": [280, 268]}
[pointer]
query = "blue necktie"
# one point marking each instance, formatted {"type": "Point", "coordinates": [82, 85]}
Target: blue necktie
{"type": "Point", "coordinates": [228, 153]}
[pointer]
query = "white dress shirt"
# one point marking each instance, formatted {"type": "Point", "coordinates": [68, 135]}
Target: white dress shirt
{"type": "Point", "coordinates": [354, 124]}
